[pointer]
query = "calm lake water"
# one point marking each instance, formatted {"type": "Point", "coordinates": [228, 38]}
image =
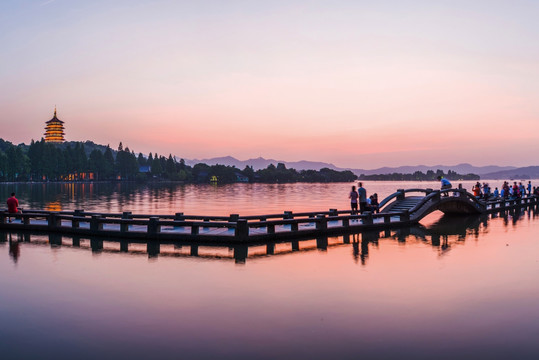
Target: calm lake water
{"type": "Point", "coordinates": [450, 288]}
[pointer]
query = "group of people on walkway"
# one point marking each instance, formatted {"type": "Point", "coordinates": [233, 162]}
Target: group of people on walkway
{"type": "Point", "coordinates": [359, 201]}
{"type": "Point", "coordinates": [515, 191]}
{"type": "Point", "coordinates": [484, 191]}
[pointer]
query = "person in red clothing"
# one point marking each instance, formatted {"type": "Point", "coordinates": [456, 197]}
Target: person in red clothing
{"type": "Point", "coordinates": [12, 206]}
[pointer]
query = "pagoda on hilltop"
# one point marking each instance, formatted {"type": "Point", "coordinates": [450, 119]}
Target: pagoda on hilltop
{"type": "Point", "coordinates": [54, 130]}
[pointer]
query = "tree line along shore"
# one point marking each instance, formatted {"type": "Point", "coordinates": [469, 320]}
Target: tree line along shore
{"type": "Point", "coordinates": [86, 161]}
{"type": "Point", "coordinates": [42, 161]}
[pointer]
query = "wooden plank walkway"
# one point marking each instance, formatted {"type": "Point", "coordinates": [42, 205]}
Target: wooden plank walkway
{"type": "Point", "coordinates": [397, 210]}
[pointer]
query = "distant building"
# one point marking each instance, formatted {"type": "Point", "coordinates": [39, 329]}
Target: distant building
{"type": "Point", "coordinates": [241, 178]}
{"type": "Point", "coordinates": [146, 169]}
{"type": "Point", "coordinates": [54, 130]}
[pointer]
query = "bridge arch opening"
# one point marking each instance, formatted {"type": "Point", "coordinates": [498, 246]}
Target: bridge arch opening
{"type": "Point", "coordinates": [432, 218]}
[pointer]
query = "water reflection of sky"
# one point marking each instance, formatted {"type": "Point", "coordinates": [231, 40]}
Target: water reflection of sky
{"type": "Point", "coordinates": [477, 298]}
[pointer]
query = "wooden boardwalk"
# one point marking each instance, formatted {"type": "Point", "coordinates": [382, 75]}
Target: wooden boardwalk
{"type": "Point", "coordinates": [397, 210]}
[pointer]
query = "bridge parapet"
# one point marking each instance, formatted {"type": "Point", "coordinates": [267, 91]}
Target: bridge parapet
{"type": "Point", "coordinates": [453, 201]}
{"type": "Point", "coordinates": [400, 194]}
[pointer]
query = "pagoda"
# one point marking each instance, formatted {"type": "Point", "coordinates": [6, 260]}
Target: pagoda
{"type": "Point", "coordinates": [54, 131]}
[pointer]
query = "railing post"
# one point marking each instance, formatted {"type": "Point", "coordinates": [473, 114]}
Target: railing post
{"type": "Point", "coordinates": [387, 219]}
{"type": "Point", "coordinates": [271, 229]}
{"type": "Point", "coordinates": [153, 226]}
{"type": "Point", "coordinates": [53, 221]}
{"type": "Point", "coordinates": [124, 227]}
{"type": "Point", "coordinates": [333, 212]}
{"type": "Point", "coordinates": [367, 218]}
{"type": "Point", "coordinates": [401, 194]}
{"type": "Point", "coordinates": [2, 218]}
{"type": "Point", "coordinates": [405, 216]}
{"type": "Point", "coordinates": [78, 213]}
{"type": "Point", "coordinates": [288, 215]}
{"type": "Point", "coordinates": [345, 222]}
{"type": "Point", "coordinates": [294, 226]}
{"type": "Point", "coordinates": [233, 217]}
{"type": "Point", "coordinates": [179, 216]}
{"type": "Point", "coordinates": [195, 229]}
{"type": "Point", "coordinates": [95, 223]}
{"type": "Point", "coordinates": [126, 215]}
{"type": "Point", "coordinates": [75, 222]}
{"type": "Point", "coordinates": [207, 220]}
{"type": "Point", "coordinates": [322, 223]}
{"type": "Point", "coordinates": [242, 229]}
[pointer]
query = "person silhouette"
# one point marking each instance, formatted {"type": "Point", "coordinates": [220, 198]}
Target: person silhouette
{"type": "Point", "coordinates": [446, 184]}
{"type": "Point", "coordinates": [12, 206]}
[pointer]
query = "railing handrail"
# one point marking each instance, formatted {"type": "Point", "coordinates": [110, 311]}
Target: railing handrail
{"type": "Point", "coordinates": [435, 193]}
{"type": "Point", "coordinates": [399, 192]}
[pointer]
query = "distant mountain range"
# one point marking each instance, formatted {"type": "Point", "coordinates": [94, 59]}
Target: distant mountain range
{"type": "Point", "coordinates": [528, 172]}
{"type": "Point", "coordinates": [261, 163]}
{"type": "Point", "coordinates": [459, 168]}
{"type": "Point", "coordinates": [490, 172]}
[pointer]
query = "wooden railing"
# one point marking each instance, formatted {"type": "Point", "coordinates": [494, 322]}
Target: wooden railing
{"type": "Point", "coordinates": [241, 228]}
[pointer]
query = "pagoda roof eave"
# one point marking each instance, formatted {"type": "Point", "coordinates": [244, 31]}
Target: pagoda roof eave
{"type": "Point", "coordinates": [54, 120]}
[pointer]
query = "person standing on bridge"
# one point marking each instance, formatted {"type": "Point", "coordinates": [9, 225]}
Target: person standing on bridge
{"type": "Point", "coordinates": [529, 188]}
{"type": "Point", "coordinates": [353, 200]}
{"type": "Point", "coordinates": [516, 192]}
{"type": "Point", "coordinates": [446, 184]}
{"type": "Point", "coordinates": [506, 190]}
{"type": "Point", "coordinates": [362, 197]}
{"type": "Point", "coordinates": [476, 189]}
{"type": "Point", "coordinates": [521, 189]}
{"type": "Point", "coordinates": [12, 206]}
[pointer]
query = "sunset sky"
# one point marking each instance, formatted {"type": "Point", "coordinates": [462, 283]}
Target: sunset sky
{"type": "Point", "coordinates": [360, 84]}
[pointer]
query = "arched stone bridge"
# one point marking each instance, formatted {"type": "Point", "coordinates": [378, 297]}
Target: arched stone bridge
{"type": "Point", "coordinates": [450, 201]}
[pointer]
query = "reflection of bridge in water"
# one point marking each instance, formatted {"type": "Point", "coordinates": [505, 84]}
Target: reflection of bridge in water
{"type": "Point", "coordinates": [442, 236]}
